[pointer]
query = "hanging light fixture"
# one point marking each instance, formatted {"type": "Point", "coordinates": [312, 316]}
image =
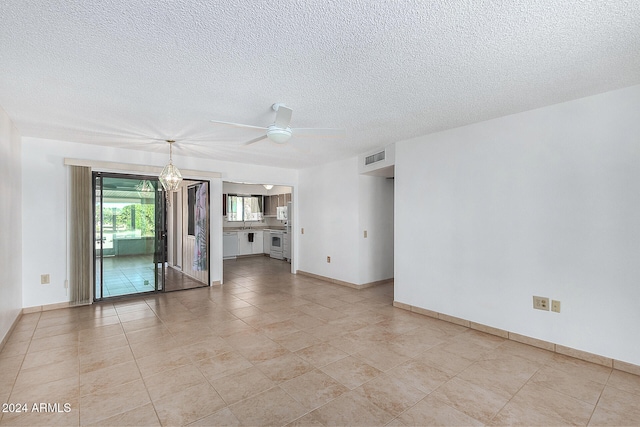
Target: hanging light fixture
{"type": "Point", "coordinates": [267, 186]}
{"type": "Point", "coordinates": [170, 176]}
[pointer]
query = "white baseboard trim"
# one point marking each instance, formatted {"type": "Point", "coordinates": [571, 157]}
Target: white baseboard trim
{"type": "Point", "coordinates": [546, 345]}
{"type": "Point", "coordinates": [343, 283]}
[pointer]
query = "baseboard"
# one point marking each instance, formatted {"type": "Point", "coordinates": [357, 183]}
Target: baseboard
{"type": "Point", "coordinates": [10, 331]}
{"type": "Point", "coordinates": [47, 307]}
{"type": "Point", "coordinates": [546, 345]}
{"type": "Point", "coordinates": [343, 283]}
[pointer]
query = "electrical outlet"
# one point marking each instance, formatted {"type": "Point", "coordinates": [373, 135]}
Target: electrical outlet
{"type": "Point", "coordinates": [302, 230]}
{"type": "Point", "coordinates": [329, 259]}
{"type": "Point", "coordinates": [365, 234]}
{"type": "Point", "coordinates": [541, 303]}
{"type": "Point", "coordinates": [45, 279]}
{"type": "Point", "coordinates": [555, 306]}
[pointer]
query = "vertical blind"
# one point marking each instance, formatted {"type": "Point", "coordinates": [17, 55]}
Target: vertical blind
{"type": "Point", "coordinates": [80, 235]}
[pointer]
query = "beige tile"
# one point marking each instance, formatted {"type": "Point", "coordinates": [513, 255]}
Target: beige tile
{"type": "Point", "coordinates": [419, 375]}
{"type": "Point", "coordinates": [351, 343]}
{"type": "Point", "coordinates": [102, 345]}
{"type": "Point", "coordinates": [159, 362]}
{"type": "Point", "coordinates": [545, 345]}
{"type": "Point", "coordinates": [433, 412]}
{"type": "Point", "coordinates": [543, 406]}
{"type": "Point", "coordinates": [272, 407]}
{"type": "Point", "coordinates": [279, 329]}
{"type": "Point", "coordinates": [209, 347]}
{"type": "Point", "coordinates": [98, 360]}
{"type": "Point", "coordinates": [625, 382]}
{"type": "Point", "coordinates": [242, 385]}
{"type": "Point", "coordinates": [261, 352]}
{"type": "Point", "coordinates": [586, 356]}
{"type": "Point", "coordinates": [45, 357]}
{"type": "Point", "coordinates": [151, 347]}
{"type": "Point", "coordinates": [444, 361]}
{"type": "Point", "coordinates": [51, 331]}
{"type": "Point", "coordinates": [144, 416]}
{"type": "Point", "coordinates": [171, 382]}
{"type": "Point", "coordinates": [390, 393]}
{"type": "Point", "coordinates": [321, 354]}
{"type": "Point", "coordinates": [151, 333]}
{"type": "Point", "coordinates": [188, 405]}
{"type": "Point", "coordinates": [222, 418]}
{"type": "Point", "coordinates": [351, 409]}
{"type": "Point", "coordinates": [475, 401]}
{"type": "Point", "coordinates": [223, 365]}
{"type": "Point", "coordinates": [101, 332]}
{"type": "Point", "coordinates": [28, 378]}
{"type": "Point", "coordinates": [9, 368]}
{"type": "Point", "coordinates": [284, 367]}
{"type": "Point", "coordinates": [308, 420]}
{"type": "Point", "coordinates": [146, 323]}
{"type": "Point", "coordinates": [617, 407]}
{"type": "Point", "coordinates": [575, 386]}
{"type": "Point", "coordinates": [351, 372]}
{"type": "Point", "coordinates": [64, 340]}
{"type": "Point", "coordinates": [297, 341]}
{"type": "Point", "coordinates": [382, 357]}
{"type": "Point", "coordinates": [313, 389]}
{"type": "Point", "coordinates": [578, 367]}
{"type": "Point", "coordinates": [64, 390]}
{"type": "Point", "coordinates": [626, 367]}
{"type": "Point", "coordinates": [524, 351]}
{"type": "Point", "coordinates": [110, 376]}
{"type": "Point", "coordinates": [112, 401]}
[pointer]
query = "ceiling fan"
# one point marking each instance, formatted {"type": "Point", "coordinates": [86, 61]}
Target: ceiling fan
{"type": "Point", "coordinates": [279, 131]}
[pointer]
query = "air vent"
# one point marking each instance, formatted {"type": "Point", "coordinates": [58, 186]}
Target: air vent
{"type": "Point", "coordinates": [374, 158]}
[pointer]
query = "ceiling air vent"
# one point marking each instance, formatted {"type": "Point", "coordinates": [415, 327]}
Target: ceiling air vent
{"type": "Point", "coordinates": [374, 158]}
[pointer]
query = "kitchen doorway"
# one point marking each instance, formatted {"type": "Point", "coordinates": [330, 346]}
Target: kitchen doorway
{"type": "Point", "coordinates": [188, 237]}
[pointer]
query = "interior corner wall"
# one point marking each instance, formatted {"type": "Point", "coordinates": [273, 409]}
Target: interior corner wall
{"type": "Point", "coordinates": [329, 213]}
{"type": "Point", "coordinates": [545, 202]}
{"type": "Point", "coordinates": [336, 206]}
{"type": "Point", "coordinates": [10, 224]}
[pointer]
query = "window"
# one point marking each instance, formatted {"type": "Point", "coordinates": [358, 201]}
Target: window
{"type": "Point", "coordinates": [244, 208]}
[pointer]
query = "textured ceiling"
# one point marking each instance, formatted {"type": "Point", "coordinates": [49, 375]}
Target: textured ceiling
{"type": "Point", "coordinates": [131, 73]}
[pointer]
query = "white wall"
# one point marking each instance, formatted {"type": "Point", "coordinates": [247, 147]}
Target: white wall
{"type": "Point", "coordinates": [336, 206]}
{"type": "Point", "coordinates": [10, 224]}
{"type": "Point", "coordinates": [45, 186]}
{"type": "Point", "coordinates": [546, 202]}
{"type": "Point", "coordinates": [376, 217]}
{"type": "Point", "coordinates": [328, 212]}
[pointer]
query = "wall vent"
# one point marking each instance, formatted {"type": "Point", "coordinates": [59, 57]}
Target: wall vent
{"type": "Point", "coordinates": [374, 158]}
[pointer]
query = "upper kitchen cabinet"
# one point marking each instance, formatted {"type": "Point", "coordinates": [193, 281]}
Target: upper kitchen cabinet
{"type": "Point", "coordinates": [272, 202]}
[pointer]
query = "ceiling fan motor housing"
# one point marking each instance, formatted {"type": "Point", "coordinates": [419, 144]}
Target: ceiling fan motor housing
{"type": "Point", "coordinates": [279, 135]}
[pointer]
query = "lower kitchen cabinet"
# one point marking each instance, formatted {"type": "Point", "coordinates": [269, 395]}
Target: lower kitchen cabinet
{"type": "Point", "coordinates": [245, 247]}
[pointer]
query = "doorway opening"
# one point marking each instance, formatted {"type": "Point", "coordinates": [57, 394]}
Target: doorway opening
{"type": "Point", "coordinates": [188, 238]}
{"type": "Point", "coordinates": [129, 230]}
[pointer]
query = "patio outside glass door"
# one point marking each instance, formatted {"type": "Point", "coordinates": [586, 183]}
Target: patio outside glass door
{"type": "Point", "coordinates": [130, 235]}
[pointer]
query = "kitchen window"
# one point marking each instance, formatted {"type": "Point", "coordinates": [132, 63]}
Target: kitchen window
{"type": "Point", "coordinates": [244, 208]}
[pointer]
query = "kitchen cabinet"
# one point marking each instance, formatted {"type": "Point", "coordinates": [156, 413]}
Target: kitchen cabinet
{"type": "Point", "coordinates": [272, 202]}
{"type": "Point", "coordinates": [266, 242]}
{"type": "Point", "coordinates": [245, 247]}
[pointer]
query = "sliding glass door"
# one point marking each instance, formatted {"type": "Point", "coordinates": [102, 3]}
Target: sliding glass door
{"type": "Point", "coordinates": [130, 235]}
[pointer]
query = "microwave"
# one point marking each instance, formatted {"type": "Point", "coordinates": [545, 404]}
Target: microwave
{"type": "Point", "coordinates": [281, 213]}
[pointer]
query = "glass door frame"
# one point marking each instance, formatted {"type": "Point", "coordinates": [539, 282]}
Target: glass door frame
{"type": "Point", "coordinates": [160, 234]}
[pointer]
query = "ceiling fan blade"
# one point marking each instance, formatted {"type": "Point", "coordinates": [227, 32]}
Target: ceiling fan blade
{"type": "Point", "coordinates": [255, 140]}
{"type": "Point", "coordinates": [283, 117]}
{"type": "Point", "coordinates": [237, 125]}
{"type": "Point", "coordinates": [320, 132]}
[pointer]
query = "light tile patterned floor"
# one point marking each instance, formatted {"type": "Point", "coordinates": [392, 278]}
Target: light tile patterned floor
{"type": "Point", "coordinates": [271, 348]}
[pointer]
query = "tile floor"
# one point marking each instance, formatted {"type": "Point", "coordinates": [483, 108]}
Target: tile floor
{"type": "Point", "coordinates": [271, 348]}
{"type": "Point", "coordinates": [126, 275]}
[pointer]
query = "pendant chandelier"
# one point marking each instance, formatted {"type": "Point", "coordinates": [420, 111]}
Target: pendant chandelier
{"type": "Point", "coordinates": [170, 176]}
